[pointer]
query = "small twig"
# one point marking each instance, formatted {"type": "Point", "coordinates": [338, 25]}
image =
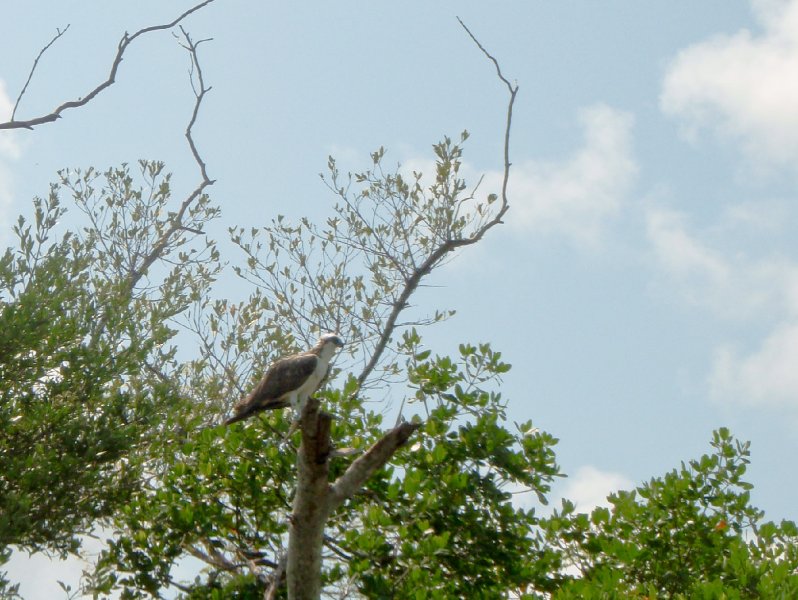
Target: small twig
{"type": "Point", "coordinates": [58, 34]}
{"type": "Point", "coordinates": [124, 42]}
{"type": "Point", "coordinates": [513, 89]}
{"type": "Point", "coordinates": [183, 588]}
{"type": "Point", "coordinates": [332, 544]}
{"type": "Point", "coordinates": [489, 55]}
{"type": "Point", "coordinates": [213, 558]}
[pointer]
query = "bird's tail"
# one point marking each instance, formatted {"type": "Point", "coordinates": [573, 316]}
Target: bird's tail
{"type": "Point", "coordinates": [248, 411]}
{"type": "Point", "coordinates": [237, 417]}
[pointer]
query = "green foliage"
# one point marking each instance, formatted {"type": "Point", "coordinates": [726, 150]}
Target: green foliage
{"type": "Point", "coordinates": [441, 521]}
{"type": "Point", "coordinates": [440, 514]}
{"type": "Point", "coordinates": [225, 488]}
{"type": "Point", "coordinates": [63, 422]}
{"type": "Point", "coordinates": [102, 423]}
{"type": "Point", "coordinates": [86, 329]}
{"type": "Point", "coordinates": [690, 534]}
{"type": "Point", "coordinates": [223, 496]}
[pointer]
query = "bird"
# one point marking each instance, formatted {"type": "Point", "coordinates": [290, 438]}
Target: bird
{"type": "Point", "coordinates": [289, 381]}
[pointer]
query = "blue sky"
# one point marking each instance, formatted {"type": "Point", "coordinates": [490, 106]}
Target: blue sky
{"type": "Point", "coordinates": [645, 283]}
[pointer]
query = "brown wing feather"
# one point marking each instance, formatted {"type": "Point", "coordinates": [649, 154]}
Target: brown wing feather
{"type": "Point", "coordinates": [279, 380]}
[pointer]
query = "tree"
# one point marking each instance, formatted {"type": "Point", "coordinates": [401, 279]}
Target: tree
{"type": "Point", "coordinates": [224, 498]}
{"type": "Point", "coordinates": [87, 339]}
{"type": "Point", "coordinates": [101, 271]}
{"type": "Point", "coordinates": [88, 321]}
{"type": "Point", "coordinates": [225, 494]}
{"type": "Point", "coordinates": [118, 430]}
{"type": "Point", "coordinates": [690, 534]}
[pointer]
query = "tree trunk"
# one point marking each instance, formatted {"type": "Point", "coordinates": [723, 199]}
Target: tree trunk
{"type": "Point", "coordinates": [316, 498]}
{"type": "Point", "coordinates": [303, 570]}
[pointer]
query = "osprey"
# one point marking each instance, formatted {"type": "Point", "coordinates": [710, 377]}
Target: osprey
{"type": "Point", "coordinates": [290, 380]}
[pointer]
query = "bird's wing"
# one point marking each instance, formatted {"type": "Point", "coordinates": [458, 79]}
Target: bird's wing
{"type": "Point", "coordinates": [283, 376]}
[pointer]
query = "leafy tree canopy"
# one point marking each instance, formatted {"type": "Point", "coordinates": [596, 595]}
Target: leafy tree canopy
{"type": "Point", "coordinates": [87, 340]}
{"type": "Point", "coordinates": [692, 533]}
{"type": "Point", "coordinates": [115, 430]}
{"type": "Point", "coordinates": [108, 425]}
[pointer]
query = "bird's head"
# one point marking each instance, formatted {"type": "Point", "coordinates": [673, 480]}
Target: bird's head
{"type": "Point", "coordinates": [331, 338]}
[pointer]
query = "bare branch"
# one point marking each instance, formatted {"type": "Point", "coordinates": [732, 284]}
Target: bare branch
{"type": "Point", "coordinates": [513, 89]}
{"type": "Point", "coordinates": [348, 484]}
{"type": "Point", "coordinates": [434, 259]}
{"type": "Point", "coordinates": [124, 42]}
{"type": "Point", "coordinates": [336, 549]}
{"type": "Point", "coordinates": [213, 557]}
{"type": "Point", "coordinates": [196, 70]}
{"type": "Point", "coordinates": [488, 54]}
{"type": "Point", "coordinates": [58, 34]}
{"type": "Point", "coordinates": [177, 220]}
{"type": "Point", "coordinates": [183, 588]}
{"type": "Point", "coordinates": [277, 579]}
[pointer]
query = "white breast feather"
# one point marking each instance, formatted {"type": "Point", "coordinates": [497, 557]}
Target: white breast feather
{"type": "Point", "coordinates": [311, 384]}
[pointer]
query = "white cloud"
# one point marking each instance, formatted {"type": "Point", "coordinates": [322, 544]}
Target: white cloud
{"type": "Point", "coordinates": [590, 486]}
{"type": "Point", "coordinates": [743, 85]}
{"type": "Point", "coordinates": [577, 196]}
{"type": "Point", "coordinates": [681, 255]}
{"type": "Point", "coordinates": [737, 287]}
{"type": "Point", "coordinates": [766, 377]}
{"type": "Point", "coordinates": [6, 191]}
{"type": "Point", "coordinates": [731, 286]}
{"type": "Point", "coordinates": [756, 217]}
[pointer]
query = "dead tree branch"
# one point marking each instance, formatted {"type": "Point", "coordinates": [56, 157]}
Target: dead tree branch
{"type": "Point", "coordinates": [436, 256]}
{"type": "Point", "coordinates": [348, 484]}
{"type": "Point", "coordinates": [124, 42]}
{"type": "Point", "coordinates": [161, 245]}
{"type": "Point", "coordinates": [176, 224]}
{"type": "Point", "coordinates": [58, 34]}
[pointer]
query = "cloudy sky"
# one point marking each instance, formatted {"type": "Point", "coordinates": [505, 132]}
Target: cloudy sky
{"type": "Point", "coordinates": [645, 283]}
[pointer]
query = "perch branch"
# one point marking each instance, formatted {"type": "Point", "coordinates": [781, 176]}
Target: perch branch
{"type": "Point", "coordinates": [306, 536]}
